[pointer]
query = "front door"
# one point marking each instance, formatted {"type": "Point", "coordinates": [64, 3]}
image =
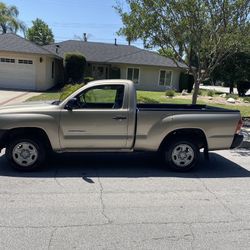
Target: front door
{"type": "Point", "coordinates": [100, 120]}
{"type": "Point", "coordinates": [99, 71]}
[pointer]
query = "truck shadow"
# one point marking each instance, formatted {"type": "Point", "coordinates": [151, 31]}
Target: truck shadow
{"type": "Point", "coordinates": [123, 165]}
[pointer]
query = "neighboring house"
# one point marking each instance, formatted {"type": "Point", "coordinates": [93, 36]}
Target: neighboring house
{"type": "Point", "coordinates": [27, 66]}
{"type": "Point", "coordinates": [147, 69]}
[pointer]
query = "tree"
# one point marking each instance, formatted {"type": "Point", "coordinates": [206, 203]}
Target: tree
{"type": "Point", "coordinates": [232, 70]}
{"type": "Point", "coordinates": [40, 33]}
{"type": "Point", "coordinates": [206, 32]}
{"type": "Point", "coordinates": [9, 19]}
{"type": "Point", "coordinates": [74, 65]}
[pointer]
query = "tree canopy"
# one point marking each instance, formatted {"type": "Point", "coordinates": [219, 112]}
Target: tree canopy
{"type": "Point", "coordinates": [205, 32]}
{"type": "Point", "coordinates": [9, 21]}
{"type": "Point", "coordinates": [234, 69]}
{"type": "Point", "coordinates": [40, 33]}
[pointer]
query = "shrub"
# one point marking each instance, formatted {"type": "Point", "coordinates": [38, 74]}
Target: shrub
{"type": "Point", "coordinates": [68, 89]}
{"type": "Point", "coordinates": [186, 82]}
{"type": "Point", "coordinates": [247, 98]}
{"type": "Point", "coordinates": [200, 92]}
{"type": "Point", "coordinates": [88, 79]}
{"type": "Point", "coordinates": [170, 93]}
{"type": "Point", "coordinates": [210, 93]}
{"type": "Point", "coordinates": [243, 87]}
{"type": "Point", "coordinates": [74, 65]}
{"type": "Point", "coordinates": [232, 96]}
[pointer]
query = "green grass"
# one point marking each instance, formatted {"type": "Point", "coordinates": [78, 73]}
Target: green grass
{"type": "Point", "coordinates": [58, 94]}
{"type": "Point", "coordinates": [45, 97]}
{"type": "Point", "coordinates": [150, 97]}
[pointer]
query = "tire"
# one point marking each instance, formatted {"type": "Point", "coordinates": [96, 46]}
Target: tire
{"type": "Point", "coordinates": [25, 153]}
{"type": "Point", "coordinates": [181, 155]}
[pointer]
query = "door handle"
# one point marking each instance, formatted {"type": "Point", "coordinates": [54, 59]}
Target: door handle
{"type": "Point", "coordinates": [119, 118]}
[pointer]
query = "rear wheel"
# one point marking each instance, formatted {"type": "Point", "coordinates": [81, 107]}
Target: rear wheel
{"type": "Point", "coordinates": [181, 155]}
{"type": "Point", "coordinates": [25, 153]}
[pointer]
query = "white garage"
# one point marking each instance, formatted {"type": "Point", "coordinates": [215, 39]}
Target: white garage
{"type": "Point", "coordinates": [17, 73]}
{"type": "Point", "coordinates": [25, 65]}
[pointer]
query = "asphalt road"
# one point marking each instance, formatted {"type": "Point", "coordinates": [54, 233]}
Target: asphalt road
{"type": "Point", "coordinates": [105, 201]}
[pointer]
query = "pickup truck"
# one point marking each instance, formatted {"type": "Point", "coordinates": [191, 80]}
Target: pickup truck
{"type": "Point", "coordinates": [103, 116]}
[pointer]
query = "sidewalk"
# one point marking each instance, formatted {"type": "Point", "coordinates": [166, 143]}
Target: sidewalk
{"type": "Point", "coordinates": [221, 89]}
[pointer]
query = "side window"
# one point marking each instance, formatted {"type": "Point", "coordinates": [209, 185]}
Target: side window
{"type": "Point", "coordinates": [102, 97]}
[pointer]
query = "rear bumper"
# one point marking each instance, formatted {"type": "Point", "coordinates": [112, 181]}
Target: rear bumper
{"type": "Point", "coordinates": [238, 139]}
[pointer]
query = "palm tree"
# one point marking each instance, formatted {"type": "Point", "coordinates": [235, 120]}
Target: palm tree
{"type": "Point", "coordinates": [9, 19]}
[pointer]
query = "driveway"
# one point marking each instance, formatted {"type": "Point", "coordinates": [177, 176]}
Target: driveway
{"type": "Point", "coordinates": [8, 97]}
{"type": "Point", "coordinates": [127, 201]}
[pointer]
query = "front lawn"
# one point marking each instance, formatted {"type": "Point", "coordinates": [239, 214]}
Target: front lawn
{"type": "Point", "coordinates": [157, 97]}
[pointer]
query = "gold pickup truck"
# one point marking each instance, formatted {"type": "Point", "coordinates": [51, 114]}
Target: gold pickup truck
{"type": "Point", "coordinates": [103, 116]}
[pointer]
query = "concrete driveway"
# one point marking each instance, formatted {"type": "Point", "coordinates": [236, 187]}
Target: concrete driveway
{"type": "Point", "coordinates": [13, 96]}
{"type": "Point", "coordinates": [105, 201]}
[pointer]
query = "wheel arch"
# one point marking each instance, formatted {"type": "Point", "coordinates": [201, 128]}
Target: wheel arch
{"type": "Point", "coordinates": [31, 132]}
{"type": "Point", "coordinates": [197, 135]}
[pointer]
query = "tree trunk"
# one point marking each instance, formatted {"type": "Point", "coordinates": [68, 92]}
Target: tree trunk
{"type": "Point", "coordinates": [4, 29]}
{"type": "Point", "coordinates": [231, 89]}
{"type": "Point", "coordinates": [196, 89]}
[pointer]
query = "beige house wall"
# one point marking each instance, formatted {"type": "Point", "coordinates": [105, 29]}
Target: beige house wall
{"type": "Point", "coordinates": [43, 67]}
{"type": "Point", "coordinates": [149, 77]}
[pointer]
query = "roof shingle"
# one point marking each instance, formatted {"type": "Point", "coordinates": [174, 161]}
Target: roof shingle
{"type": "Point", "coordinates": [14, 43]}
{"type": "Point", "coordinates": [111, 53]}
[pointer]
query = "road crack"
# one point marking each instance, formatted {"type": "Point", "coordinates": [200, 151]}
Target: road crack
{"type": "Point", "coordinates": [102, 202]}
{"type": "Point", "coordinates": [51, 237]}
{"type": "Point", "coordinates": [216, 197]}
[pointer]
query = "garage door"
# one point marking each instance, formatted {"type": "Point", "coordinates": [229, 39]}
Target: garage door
{"type": "Point", "coordinates": [17, 73]}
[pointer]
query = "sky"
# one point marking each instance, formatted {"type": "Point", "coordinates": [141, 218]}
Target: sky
{"type": "Point", "coordinates": [69, 19]}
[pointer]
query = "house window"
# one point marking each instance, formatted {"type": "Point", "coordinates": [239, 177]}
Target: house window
{"type": "Point", "coordinates": [53, 70]}
{"type": "Point", "coordinates": [7, 60]}
{"type": "Point", "coordinates": [22, 61]}
{"type": "Point", "coordinates": [133, 74]}
{"type": "Point", "coordinates": [165, 78]}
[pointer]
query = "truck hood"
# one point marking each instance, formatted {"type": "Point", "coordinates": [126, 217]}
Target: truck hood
{"type": "Point", "coordinates": [28, 107]}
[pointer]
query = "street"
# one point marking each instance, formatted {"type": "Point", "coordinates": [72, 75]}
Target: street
{"type": "Point", "coordinates": [127, 201]}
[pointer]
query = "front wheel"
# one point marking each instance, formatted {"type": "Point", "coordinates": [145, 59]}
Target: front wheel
{"type": "Point", "coordinates": [181, 155]}
{"type": "Point", "coordinates": [25, 154]}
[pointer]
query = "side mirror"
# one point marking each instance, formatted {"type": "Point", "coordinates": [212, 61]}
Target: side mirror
{"type": "Point", "coordinates": [71, 104]}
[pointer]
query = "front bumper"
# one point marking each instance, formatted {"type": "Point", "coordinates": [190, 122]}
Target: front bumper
{"type": "Point", "coordinates": [238, 139]}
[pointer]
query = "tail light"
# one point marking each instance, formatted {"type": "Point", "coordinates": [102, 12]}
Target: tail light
{"type": "Point", "coordinates": [239, 126]}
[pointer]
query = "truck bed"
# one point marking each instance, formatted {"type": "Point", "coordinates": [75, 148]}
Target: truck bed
{"type": "Point", "coordinates": [180, 107]}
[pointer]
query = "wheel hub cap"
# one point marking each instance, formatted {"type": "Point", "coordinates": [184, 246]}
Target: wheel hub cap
{"type": "Point", "coordinates": [25, 154]}
{"type": "Point", "coordinates": [182, 155]}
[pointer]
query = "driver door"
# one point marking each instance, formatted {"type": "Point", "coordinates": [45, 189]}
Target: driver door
{"type": "Point", "coordinates": [99, 121]}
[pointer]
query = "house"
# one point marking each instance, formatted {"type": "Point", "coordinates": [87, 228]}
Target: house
{"type": "Point", "coordinates": [147, 69]}
{"type": "Point", "coordinates": [26, 65]}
